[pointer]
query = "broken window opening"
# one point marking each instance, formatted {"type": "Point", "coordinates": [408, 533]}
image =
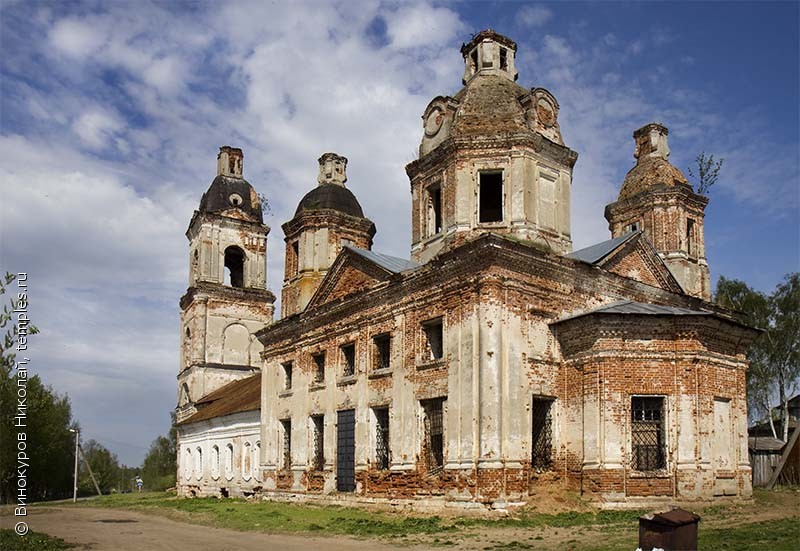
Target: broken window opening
{"type": "Point", "coordinates": [433, 444]}
{"type": "Point", "coordinates": [647, 433]}
{"type": "Point", "coordinates": [491, 197]}
{"type": "Point", "coordinates": [382, 351]}
{"type": "Point", "coordinates": [434, 336]}
{"type": "Point", "coordinates": [381, 438]}
{"type": "Point", "coordinates": [318, 424]}
{"type": "Point", "coordinates": [542, 438]}
{"type": "Point", "coordinates": [286, 429]}
{"type": "Point", "coordinates": [503, 59]}
{"type": "Point", "coordinates": [434, 209]}
{"type": "Point", "coordinates": [294, 261]}
{"type": "Point", "coordinates": [474, 60]}
{"type": "Point", "coordinates": [287, 375]}
{"type": "Point", "coordinates": [319, 367]}
{"type": "Point", "coordinates": [349, 357]}
{"type": "Point", "coordinates": [690, 237]}
{"type": "Point", "coordinates": [234, 267]}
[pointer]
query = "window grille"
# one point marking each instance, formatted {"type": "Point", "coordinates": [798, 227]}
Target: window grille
{"type": "Point", "coordinates": [434, 435]}
{"type": "Point", "coordinates": [382, 351]}
{"type": "Point", "coordinates": [349, 357]}
{"type": "Point", "coordinates": [382, 438]}
{"type": "Point", "coordinates": [287, 443]}
{"type": "Point", "coordinates": [647, 433]}
{"type": "Point", "coordinates": [319, 438]}
{"type": "Point", "coordinates": [542, 438]}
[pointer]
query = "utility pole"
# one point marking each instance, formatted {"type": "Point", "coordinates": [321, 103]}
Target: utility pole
{"type": "Point", "coordinates": [91, 474]}
{"type": "Point", "coordinates": [75, 476]}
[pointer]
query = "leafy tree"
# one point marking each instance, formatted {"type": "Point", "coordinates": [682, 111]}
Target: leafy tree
{"type": "Point", "coordinates": [707, 172]}
{"type": "Point", "coordinates": [105, 467]}
{"type": "Point", "coordinates": [160, 464]}
{"type": "Point", "coordinates": [48, 417]}
{"type": "Point", "coordinates": [775, 356]}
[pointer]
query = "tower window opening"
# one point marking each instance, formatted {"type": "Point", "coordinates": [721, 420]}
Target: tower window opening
{"type": "Point", "coordinates": [690, 248]}
{"type": "Point", "coordinates": [434, 209]}
{"type": "Point", "coordinates": [490, 203]}
{"type": "Point", "coordinates": [503, 59]}
{"type": "Point", "coordinates": [234, 267]}
{"type": "Point", "coordinates": [474, 60]}
{"type": "Point", "coordinates": [294, 261]}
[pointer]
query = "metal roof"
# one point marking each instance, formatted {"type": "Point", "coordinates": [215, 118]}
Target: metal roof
{"type": "Point", "coordinates": [765, 443]}
{"type": "Point", "coordinates": [236, 397]}
{"type": "Point", "coordinates": [597, 252]}
{"type": "Point", "coordinates": [389, 263]}
{"type": "Point", "coordinates": [638, 308]}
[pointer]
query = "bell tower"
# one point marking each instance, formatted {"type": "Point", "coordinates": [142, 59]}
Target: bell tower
{"type": "Point", "coordinates": [327, 218]}
{"type": "Point", "coordinates": [492, 160]}
{"type": "Point", "coordinates": [227, 299]}
{"type": "Point", "coordinates": [657, 199]}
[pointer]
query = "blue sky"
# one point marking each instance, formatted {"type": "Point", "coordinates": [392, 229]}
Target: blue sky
{"type": "Point", "coordinates": [112, 113]}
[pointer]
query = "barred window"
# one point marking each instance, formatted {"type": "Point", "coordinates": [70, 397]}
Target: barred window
{"type": "Point", "coordinates": [318, 424]}
{"type": "Point", "coordinates": [434, 434]}
{"type": "Point", "coordinates": [382, 438]}
{"type": "Point", "coordinates": [542, 437]}
{"type": "Point", "coordinates": [349, 359]}
{"type": "Point", "coordinates": [319, 367]}
{"type": "Point", "coordinates": [648, 451]}
{"type": "Point", "coordinates": [286, 426]}
{"type": "Point", "coordinates": [382, 351]}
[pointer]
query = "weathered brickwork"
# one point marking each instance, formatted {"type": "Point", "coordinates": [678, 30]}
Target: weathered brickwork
{"type": "Point", "coordinates": [496, 363]}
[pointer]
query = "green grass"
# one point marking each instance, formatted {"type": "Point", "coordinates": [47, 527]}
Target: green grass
{"type": "Point", "coordinates": [775, 535]}
{"type": "Point", "coordinates": [32, 541]}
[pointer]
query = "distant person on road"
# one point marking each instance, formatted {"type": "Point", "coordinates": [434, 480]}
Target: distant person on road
{"type": "Point", "coordinates": [139, 483]}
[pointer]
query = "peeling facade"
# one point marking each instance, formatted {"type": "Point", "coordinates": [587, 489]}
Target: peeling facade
{"type": "Point", "coordinates": [495, 360]}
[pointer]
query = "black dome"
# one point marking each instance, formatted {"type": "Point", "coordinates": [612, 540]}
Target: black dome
{"type": "Point", "coordinates": [331, 196]}
{"type": "Point", "coordinates": [221, 195]}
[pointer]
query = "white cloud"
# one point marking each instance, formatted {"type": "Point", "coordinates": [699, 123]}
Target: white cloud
{"type": "Point", "coordinates": [420, 25]}
{"type": "Point", "coordinates": [76, 38]}
{"type": "Point", "coordinates": [534, 16]}
{"type": "Point", "coordinates": [97, 128]}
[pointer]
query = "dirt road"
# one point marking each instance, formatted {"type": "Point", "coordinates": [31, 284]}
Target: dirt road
{"type": "Point", "coordinates": [119, 530]}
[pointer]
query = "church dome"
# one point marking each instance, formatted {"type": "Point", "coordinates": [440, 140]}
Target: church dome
{"type": "Point", "coordinates": [490, 104]}
{"type": "Point", "coordinates": [330, 196]}
{"type": "Point", "coordinates": [226, 193]}
{"type": "Point", "coordinates": [652, 167]}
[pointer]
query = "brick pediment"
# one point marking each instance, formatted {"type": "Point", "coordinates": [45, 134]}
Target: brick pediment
{"type": "Point", "coordinates": [637, 259]}
{"type": "Point", "coordinates": [350, 274]}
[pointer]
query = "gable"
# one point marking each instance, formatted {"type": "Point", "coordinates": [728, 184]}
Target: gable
{"type": "Point", "coordinates": [349, 274]}
{"type": "Point", "coordinates": [638, 260]}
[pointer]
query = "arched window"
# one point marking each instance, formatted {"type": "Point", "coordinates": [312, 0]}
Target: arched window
{"type": "Point", "coordinates": [229, 461]}
{"type": "Point", "coordinates": [215, 461]}
{"type": "Point", "coordinates": [187, 464]}
{"type": "Point", "coordinates": [198, 463]}
{"type": "Point", "coordinates": [257, 460]}
{"type": "Point", "coordinates": [234, 266]}
{"type": "Point", "coordinates": [246, 461]}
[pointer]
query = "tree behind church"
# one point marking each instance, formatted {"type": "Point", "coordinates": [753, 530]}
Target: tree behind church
{"type": "Point", "coordinates": [775, 356]}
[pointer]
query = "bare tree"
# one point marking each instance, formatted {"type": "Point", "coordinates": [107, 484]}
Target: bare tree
{"type": "Point", "coordinates": [706, 173]}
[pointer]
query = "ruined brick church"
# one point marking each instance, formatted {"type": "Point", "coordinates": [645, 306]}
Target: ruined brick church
{"type": "Point", "coordinates": [495, 360]}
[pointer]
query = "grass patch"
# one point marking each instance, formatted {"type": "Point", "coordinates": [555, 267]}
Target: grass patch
{"type": "Point", "coordinates": [776, 535]}
{"type": "Point", "coordinates": [32, 541]}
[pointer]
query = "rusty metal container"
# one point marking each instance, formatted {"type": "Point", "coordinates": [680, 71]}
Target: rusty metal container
{"type": "Point", "coordinates": [674, 530]}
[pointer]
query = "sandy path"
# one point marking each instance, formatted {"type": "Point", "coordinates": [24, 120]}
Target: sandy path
{"type": "Point", "coordinates": [120, 530]}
